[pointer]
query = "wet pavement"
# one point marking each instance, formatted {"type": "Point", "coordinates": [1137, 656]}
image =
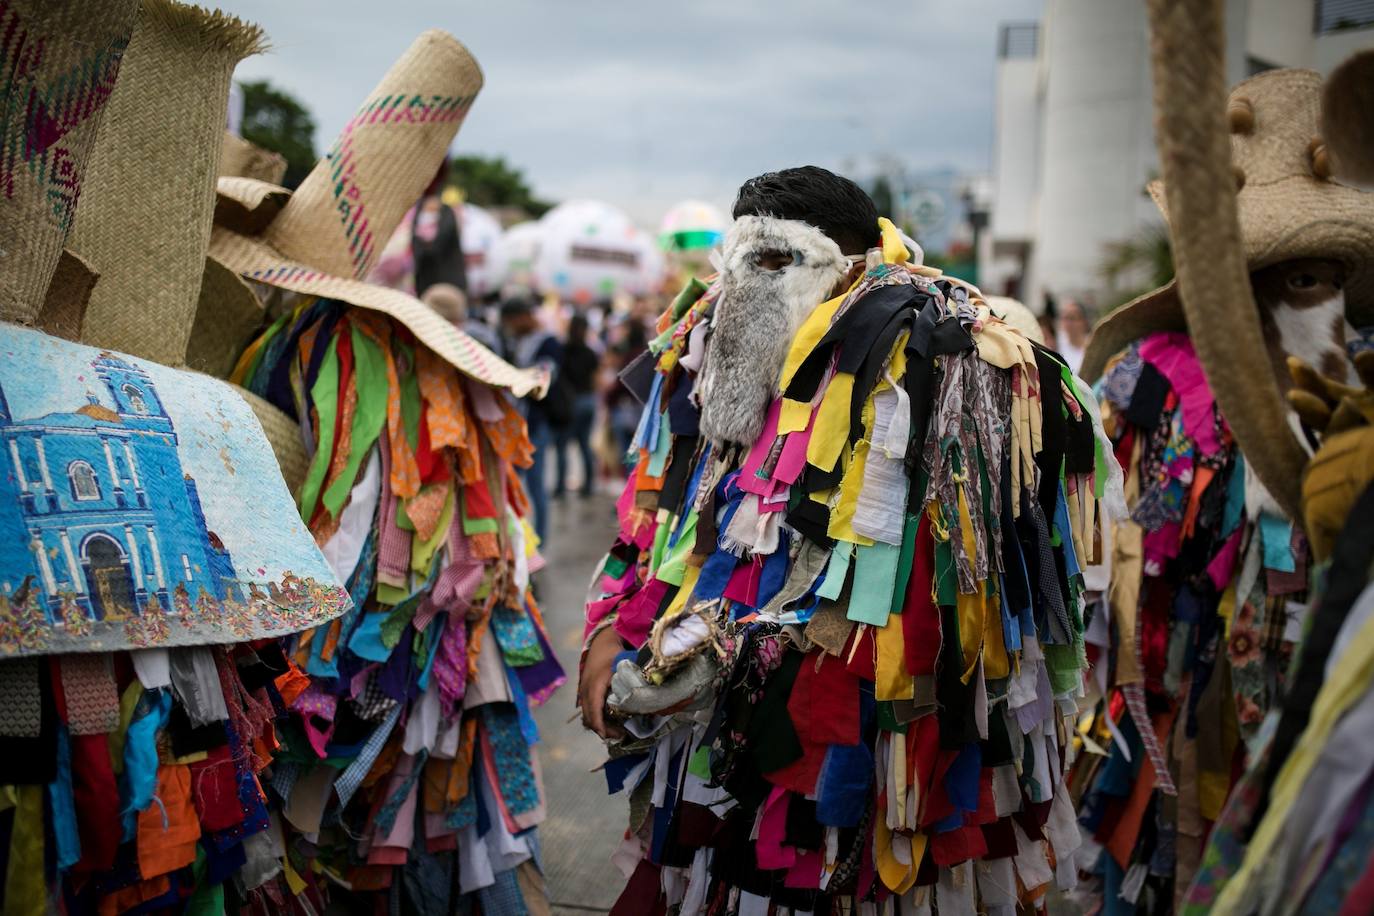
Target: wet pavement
{"type": "Point", "coordinates": [584, 824]}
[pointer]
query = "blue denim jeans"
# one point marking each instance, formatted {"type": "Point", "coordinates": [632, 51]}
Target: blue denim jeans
{"type": "Point", "coordinates": [578, 431]}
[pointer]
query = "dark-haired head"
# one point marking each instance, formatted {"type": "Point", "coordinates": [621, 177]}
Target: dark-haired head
{"type": "Point", "coordinates": [835, 205]}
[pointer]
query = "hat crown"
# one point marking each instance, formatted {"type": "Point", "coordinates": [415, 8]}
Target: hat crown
{"type": "Point", "coordinates": [149, 196]}
{"type": "Point", "coordinates": [59, 63]}
{"type": "Point", "coordinates": [344, 212]}
{"type": "Point", "coordinates": [1286, 106]}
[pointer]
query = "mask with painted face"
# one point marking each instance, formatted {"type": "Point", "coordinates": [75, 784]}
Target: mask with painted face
{"type": "Point", "coordinates": [775, 272]}
{"type": "Point", "coordinates": [1302, 312]}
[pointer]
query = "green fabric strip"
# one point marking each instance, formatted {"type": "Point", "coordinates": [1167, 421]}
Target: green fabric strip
{"type": "Point", "coordinates": [410, 393]}
{"type": "Point", "coordinates": [325, 396]}
{"type": "Point", "coordinates": [904, 562]}
{"type": "Point", "coordinates": [875, 574]}
{"type": "Point", "coordinates": [370, 381]}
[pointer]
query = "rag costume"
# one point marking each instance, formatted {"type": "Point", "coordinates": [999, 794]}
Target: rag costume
{"type": "Point", "coordinates": [411, 775]}
{"type": "Point", "coordinates": [163, 748]}
{"type": "Point", "coordinates": [1220, 612]}
{"type": "Point", "coordinates": [150, 552]}
{"type": "Point", "coordinates": [849, 572]}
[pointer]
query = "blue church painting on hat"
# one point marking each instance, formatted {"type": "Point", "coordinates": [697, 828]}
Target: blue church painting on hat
{"type": "Point", "coordinates": [105, 541]}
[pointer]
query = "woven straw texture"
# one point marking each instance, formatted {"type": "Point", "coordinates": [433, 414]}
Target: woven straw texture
{"type": "Point", "coordinates": [246, 204]}
{"type": "Point", "coordinates": [331, 231]}
{"type": "Point", "coordinates": [70, 290]}
{"type": "Point", "coordinates": [1285, 210]}
{"type": "Point", "coordinates": [1187, 49]}
{"type": "Point", "coordinates": [58, 65]}
{"type": "Point", "coordinates": [257, 262]}
{"type": "Point", "coordinates": [248, 160]}
{"type": "Point", "coordinates": [149, 198]}
{"type": "Point", "coordinates": [349, 205]}
{"type": "Point", "coordinates": [227, 318]}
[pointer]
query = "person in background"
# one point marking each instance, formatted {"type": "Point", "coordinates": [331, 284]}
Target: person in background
{"type": "Point", "coordinates": [528, 344]}
{"type": "Point", "coordinates": [1072, 330]}
{"type": "Point", "coordinates": [580, 363]}
{"type": "Point", "coordinates": [622, 410]}
{"type": "Point", "coordinates": [436, 239]}
{"type": "Point", "coordinates": [449, 301]}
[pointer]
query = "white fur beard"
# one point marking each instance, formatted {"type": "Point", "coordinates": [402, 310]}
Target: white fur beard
{"type": "Point", "coordinates": [756, 317]}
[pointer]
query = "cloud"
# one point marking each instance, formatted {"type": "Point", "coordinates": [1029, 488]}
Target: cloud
{"type": "Point", "coordinates": [642, 104]}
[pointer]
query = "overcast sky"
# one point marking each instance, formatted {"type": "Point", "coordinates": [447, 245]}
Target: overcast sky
{"type": "Point", "coordinates": [645, 103]}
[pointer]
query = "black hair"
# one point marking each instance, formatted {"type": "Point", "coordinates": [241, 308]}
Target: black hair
{"type": "Point", "coordinates": [512, 308]}
{"type": "Point", "coordinates": [833, 204]}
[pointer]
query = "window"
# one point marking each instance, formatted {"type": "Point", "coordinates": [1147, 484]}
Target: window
{"type": "Point", "coordinates": [135, 397]}
{"type": "Point", "coordinates": [84, 485]}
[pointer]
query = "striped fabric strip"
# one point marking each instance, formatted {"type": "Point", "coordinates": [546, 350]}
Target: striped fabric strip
{"type": "Point", "coordinates": [352, 777]}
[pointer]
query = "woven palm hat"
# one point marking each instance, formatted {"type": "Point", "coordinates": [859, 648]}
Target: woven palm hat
{"type": "Point", "coordinates": [59, 63]}
{"type": "Point", "coordinates": [147, 207]}
{"type": "Point", "coordinates": [149, 195]}
{"type": "Point", "coordinates": [243, 158]}
{"type": "Point", "coordinates": [1288, 204]}
{"type": "Point", "coordinates": [324, 238]}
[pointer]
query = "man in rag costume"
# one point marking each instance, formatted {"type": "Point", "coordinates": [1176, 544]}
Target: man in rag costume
{"type": "Point", "coordinates": [836, 645]}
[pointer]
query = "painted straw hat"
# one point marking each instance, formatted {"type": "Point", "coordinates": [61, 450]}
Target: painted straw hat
{"type": "Point", "coordinates": [141, 504]}
{"type": "Point", "coordinates": [1287, 202]}
{"type": "Point", "coordinates": [324, 238]}
{"type": "Point", "coordinates": [61, 63]}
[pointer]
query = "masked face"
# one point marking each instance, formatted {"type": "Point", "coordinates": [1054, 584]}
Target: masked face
{"type": "Point", "coordinates": [775, 273]}
{"type": "Point", "coordinates": [1302, 312]}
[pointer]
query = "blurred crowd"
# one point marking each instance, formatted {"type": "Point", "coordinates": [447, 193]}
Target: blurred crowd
{"type": "Point", "coordinates": [586, 412]}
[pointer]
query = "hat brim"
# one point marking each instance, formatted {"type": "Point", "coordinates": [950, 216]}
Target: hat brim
{"type": "Point", "coordinates": [247, 205]}
{"type": "Point", "coordinates": [1157, 310]}
{"type": "Point", "coordinates": [1289, 219]}
{"type": "Point", "coordinates": [254, 259]}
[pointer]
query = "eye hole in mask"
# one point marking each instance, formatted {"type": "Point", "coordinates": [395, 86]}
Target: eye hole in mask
{"type": "Point", "coordinates": [775, 260]}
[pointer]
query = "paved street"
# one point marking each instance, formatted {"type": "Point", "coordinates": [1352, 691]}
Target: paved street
{"type": "Point", "coordinates": [584, 825]}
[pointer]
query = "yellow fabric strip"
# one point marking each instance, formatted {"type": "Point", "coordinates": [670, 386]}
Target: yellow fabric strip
{"type": "Point", "coordinates": [831, 432]}
{"type": "Point", "coordinates": [893, 682]}
{"type": "Point", "coordinates": [25, 891]}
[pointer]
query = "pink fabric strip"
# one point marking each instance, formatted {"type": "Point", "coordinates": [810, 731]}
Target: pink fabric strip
{"type": "Point", "coordinates": [393, 542]}
{"type": "Point", "coordinates": [749, 480]}
{"type": "Point", "coordinates": [769, 850]}
{"type": "Point", "coordinates": [1173, 355]}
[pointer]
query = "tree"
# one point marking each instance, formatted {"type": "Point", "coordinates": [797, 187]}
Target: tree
{"type": "Point", "coordinates": [883, 198]}
{"type": "Point", "coordinates": [1138, 264]}
{"type": "Point", "coordinates": [492, 182]}
{"type": "Point", "coordinates": [276, 121]}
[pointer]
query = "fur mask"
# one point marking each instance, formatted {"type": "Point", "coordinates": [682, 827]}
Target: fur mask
{"type": "Point", "coordinates": [756, 317]}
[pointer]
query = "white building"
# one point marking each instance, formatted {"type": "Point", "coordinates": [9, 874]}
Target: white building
{"type": "Point", "coordinates": [1073, 141]}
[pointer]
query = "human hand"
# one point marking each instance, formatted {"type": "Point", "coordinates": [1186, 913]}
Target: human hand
{"type": "Point", "coordinates": [594, 683]}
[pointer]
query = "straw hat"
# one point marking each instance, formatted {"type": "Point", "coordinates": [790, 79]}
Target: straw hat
{"type": "Point", "coordinates": [323, 239]}
{"type": "Point", "coordinates": [1288, 205]}
{"type": "Point", "coordinates": [149, 194]}
{"type": "Point", "coordinates": [248, 160]}
{"type": "Point", "coordinates": [61, 62]}
{"type": "Point", "coordinates": [1348, 117]}
{"type": "Point", "coordinates": [1271, 139]}
{"type": "Point", "coordinates": [175, 527]}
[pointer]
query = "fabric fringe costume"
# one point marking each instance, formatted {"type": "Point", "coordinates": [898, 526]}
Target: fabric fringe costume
{"type": "Point", "coordinates": [411, 770]}
{"type": "Point", "coordinates": [860, 637]}
{"type": "Point", "coordinates": [388, 750]}
{"type": "Point", "coordinates": [1192, 643]}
